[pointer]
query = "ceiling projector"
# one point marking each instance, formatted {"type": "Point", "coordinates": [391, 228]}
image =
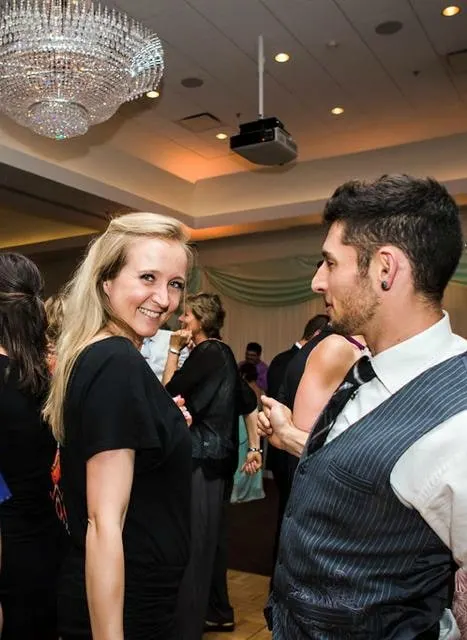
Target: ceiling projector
{"type": "Point", "coordinates": [264, 141]}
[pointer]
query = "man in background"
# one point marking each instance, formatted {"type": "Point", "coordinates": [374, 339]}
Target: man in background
{"type": "Point", "coordinates": [283, 378]}
{"type": "Point", "coordinates": [253, 353]}
{"type": "Point", "coordinates": [155, 350]}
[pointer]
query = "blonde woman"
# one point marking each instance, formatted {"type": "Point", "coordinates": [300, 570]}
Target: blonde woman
{"type": "Point", "coordinates": [125, 447]}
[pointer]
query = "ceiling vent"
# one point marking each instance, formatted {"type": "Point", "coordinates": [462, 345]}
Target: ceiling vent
{"type": "Point", "coordinates": [457, 61]}
{"type": "Point", "coordinates": [200, 122]}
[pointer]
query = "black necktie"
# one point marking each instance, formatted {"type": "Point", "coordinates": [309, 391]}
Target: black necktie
{"type": "Point", "coordinates": [361, 372]}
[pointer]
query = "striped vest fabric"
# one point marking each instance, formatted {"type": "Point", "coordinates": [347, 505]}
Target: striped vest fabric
{"type": "Point", "coordinates": [354, 562]}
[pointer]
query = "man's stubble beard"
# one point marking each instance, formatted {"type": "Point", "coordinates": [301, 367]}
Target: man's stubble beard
{"type": "Point", "coordinates": [358, 310]}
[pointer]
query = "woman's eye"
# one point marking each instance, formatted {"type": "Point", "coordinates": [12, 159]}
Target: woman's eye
{"type": "Point", "coordinates": [148, 277]}
{"type": "Point", "coordinates": [177, 284]}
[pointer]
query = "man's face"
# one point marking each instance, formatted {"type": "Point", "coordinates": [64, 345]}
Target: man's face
{"type": "Point", "coordinates": [351, 299]}
{"type": "Point", "coordinates": [252, 357]}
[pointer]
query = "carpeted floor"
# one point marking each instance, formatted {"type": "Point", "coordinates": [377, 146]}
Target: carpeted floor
{"type": "Point", "coordinates": [252, 527]}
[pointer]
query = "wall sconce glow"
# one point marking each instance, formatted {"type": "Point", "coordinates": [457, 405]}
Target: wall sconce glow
{"type": "Point", "coordinates": [221, 136]}
{"type": "Point", "coordinates": [452, 10]}
{"type": "Point", "coordinates": [282, 57]}
{"type": "Point", "coordinates": [153, 94]}
{"type": "Point", "coordinates": [337, 111]}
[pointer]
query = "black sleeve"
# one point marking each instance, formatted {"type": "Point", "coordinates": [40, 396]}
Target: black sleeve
{"type": "Point", "coordinates": [247, 401]}
{"type": "Point", "coordinates": [116, 413]}
{"type": "Point", "coordinates": [205, 360]}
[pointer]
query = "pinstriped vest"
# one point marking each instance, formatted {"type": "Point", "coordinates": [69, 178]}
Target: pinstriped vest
{"type": "Point", "coordinates": [353, 561]}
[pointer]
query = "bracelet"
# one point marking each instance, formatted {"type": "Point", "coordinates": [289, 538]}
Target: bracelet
{"type": "Point", "coordinates": [254, 450]}
{"type": "Point", "coordinates": [172, 350]}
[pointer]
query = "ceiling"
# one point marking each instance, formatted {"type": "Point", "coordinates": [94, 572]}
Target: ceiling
{"type": "Point", "coordinates": [405, 111]}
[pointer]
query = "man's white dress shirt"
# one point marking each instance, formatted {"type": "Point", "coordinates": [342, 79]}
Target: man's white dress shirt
{"type": "Point", "coordinates": [156, 349]}
{"type": "Point", "coordinates": [431, 476]}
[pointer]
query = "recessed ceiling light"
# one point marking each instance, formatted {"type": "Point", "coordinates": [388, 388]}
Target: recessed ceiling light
{"type": "Point", "coordinates": [452, 10]}
{"type": "Point", "coordinates": [153, 94]}
{"type": "Point", "coordinates": [221, 136]}
{"type": "Point", "coordinates": [388, 28]}
{"type": "Point", "coordinates": [192, 83]}
{"type": "Point", "coordinates": [337, 111]}
{"type": "Point", "coordinates": [282, 57]}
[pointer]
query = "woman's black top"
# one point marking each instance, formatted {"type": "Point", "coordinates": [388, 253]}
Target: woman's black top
{"type": "Point", "coordinates": [31, 532]}
{"type": "Point", "coordinates": [114, 401]}
{"type": "Point", "coordinates": [215, 395]}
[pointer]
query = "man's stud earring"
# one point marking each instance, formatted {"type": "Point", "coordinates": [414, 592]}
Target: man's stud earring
{"type": "Point", "coordinates": [384, 285]}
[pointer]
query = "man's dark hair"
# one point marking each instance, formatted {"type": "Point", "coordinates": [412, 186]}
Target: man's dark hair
{"type": "Point", "coordinates": [255, 347]}
{"type": "Point", "coordinates": [317, 323]}
{"type": "Point", "coordinates": [416, 215]}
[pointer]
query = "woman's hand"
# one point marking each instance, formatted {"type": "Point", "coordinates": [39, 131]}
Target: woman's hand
{"type": "Point", "coordinates": [180, 402]}
{"type": "Point", "coordinates": [253, 463]}
{"type": "Point", "coordinates": [179, 339]}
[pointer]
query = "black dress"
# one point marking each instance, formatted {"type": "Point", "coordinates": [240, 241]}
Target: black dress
{"type": "Point", "coordinates": [114, 401]}
{"type": "Point", "coordinates": [32, 537]}
{"type": "Point", "coordinates": [215, 395]}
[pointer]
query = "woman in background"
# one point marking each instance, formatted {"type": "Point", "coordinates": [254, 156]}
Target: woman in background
{"type": "Point", "coordinates": [211, 386]}
{"type": "Point", "coordinates": [247, 486]}
{"type": "Point", "coordinates": [125, 449]}
{"type": "Point", "coordinates": [31, 533]}
{"type": "Point", "coordinates": [54, 310]}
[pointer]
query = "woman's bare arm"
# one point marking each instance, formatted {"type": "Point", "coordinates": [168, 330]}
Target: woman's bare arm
{"type": "Point", "coordinates": [109, 478]}
{"type": "Point", "coordinates": [326, 367]}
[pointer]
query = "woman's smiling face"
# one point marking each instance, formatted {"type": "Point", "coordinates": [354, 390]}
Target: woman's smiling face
{"type": "Point", "coordinates": [149, 287]}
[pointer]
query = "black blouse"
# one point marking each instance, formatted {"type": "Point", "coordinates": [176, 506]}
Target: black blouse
{"type": "Point", "coordinates": [215, 395]}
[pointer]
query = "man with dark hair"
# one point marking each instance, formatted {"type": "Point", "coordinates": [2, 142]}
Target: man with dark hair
{"type": "Point", "coordinates": [253, 353]}
{"type": "Point", "coordinates": [284, 375]}
{"type": "Point", "coordinates": [378, 509]}
{"type": "Point", "coordinates": [280, 362]}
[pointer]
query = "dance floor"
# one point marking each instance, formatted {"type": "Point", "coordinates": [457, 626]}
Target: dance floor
{"type": "Point", "coordinates": [248, 593]}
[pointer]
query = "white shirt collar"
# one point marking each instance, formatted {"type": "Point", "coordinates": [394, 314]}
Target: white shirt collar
{"type": "Point", "coordinates": [399, 364]}
{"type": "Point", "coordinates": [298, 345]}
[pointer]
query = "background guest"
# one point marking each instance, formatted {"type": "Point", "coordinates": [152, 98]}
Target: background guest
{"type": "Point", "coordinates": [31, 533]}
{"type": "Point", "coordinates": [247, 486]}
{"type": "Point", "coordinates": [253, 353]}
{"type": "Point", "coordinates": [54, 310]}
{"type": "Point", "coordinates": [210, 384]}
{"type": "Point", "coordinates": [125, 448]}
{"type": "Point", "coordinates": [155, 350]}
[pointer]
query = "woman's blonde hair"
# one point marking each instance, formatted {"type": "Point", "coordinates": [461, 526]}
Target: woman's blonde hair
{"type": "Point", "coordinates": [87, 308]}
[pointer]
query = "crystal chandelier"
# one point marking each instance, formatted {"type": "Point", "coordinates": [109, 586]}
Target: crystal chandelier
{"type": "Point", "coordinates": [68, 64]}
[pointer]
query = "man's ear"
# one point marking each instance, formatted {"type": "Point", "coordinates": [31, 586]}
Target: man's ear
{"type": "Point", "coordinates": [388, 265]}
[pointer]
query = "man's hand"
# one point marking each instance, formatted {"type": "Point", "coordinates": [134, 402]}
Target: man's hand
{"type": "Point", "coordinates": [275, 422]}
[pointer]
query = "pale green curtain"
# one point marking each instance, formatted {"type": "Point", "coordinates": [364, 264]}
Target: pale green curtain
{"type": "Point", "coordinates": [269, 283]}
